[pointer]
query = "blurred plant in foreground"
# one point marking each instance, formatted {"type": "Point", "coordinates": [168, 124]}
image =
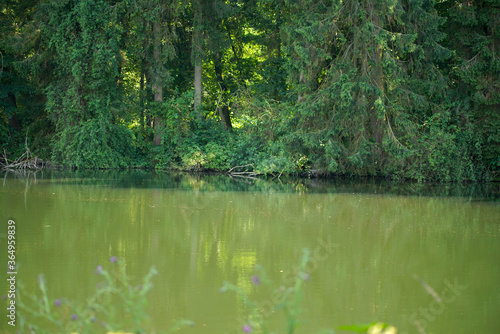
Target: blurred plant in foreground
{"type": "Point", "coordinates": [288, 300]}
{"type": "Point", "coordinates": [116, 307]}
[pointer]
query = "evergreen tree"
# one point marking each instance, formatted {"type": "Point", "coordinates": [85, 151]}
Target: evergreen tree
{"type": "Point", "coordinates": [307, 41]}
{"type": "Point", "coordinates": [364, 106]}
{"type": "Point", "coordinates": [473, 29]}
{"type": "Point", "coordinates": [84, 99]}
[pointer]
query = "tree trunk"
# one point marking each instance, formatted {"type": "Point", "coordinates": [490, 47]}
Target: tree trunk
{"type": "Point", "coordinates": [301, 81]}
{"type": "Point", "coordinates": [142, 102]}
{"type": "Point", "coordinates": [198, 88]}
{"type": "Point", "coordinates": [225, 117]}
{"type": "Point", "coordinates": [157, 85]}
{"type": "Point", "coordinates": [277, 44]}
{"type": "Point", "coordinates": [223, 110]}
{"type": "Point", "coordinates": [198, 59]}
{"type": "Point", "coordinates": [144, 79]}
{"type": "Point", "coordinates": [157, 124]}
{"type": "Point", "coordinates": [13, 120]}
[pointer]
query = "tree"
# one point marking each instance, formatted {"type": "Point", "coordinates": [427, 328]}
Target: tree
{"type": "Point", "coordinates": [366, 87]}
{"type": "Point", "coordinates": [24, 70]}
{"type": "Point", "coordinates": [366, 103]}
{"type": "Point", "coordinates": [84, 99]}
{"type": "Point", "coordinates": [306, 32]}
{"type": "Point", "coordinates": [216, 24]}
{"type": "Point", "coordinates": [473, 29]}
{"type": "Point", "coordinates": [159, 21]}
{"type": "Point", "coordinates": [270, 19]}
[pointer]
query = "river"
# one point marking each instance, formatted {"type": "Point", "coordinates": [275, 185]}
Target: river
{"type": "Point", "coordinates": [425, 259]}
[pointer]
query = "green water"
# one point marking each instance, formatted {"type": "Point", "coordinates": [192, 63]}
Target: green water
{"type": "Point", "coordinates": [368, 242]}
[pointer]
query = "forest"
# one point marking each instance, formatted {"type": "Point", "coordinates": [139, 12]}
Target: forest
{"type": "Point", "coordinates": [403, 89]}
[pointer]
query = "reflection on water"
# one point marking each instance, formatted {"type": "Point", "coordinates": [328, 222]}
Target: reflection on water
{"type": "Point", "coordinates": [368, 240]}
{"type": "Point", "coordinates": [216, 182]}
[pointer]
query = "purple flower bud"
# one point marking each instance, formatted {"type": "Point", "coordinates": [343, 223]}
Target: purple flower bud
{"type": "Point", "coordinates": [57, 302]}
{"type": "Point", "coordinates": [113, 259]}
{"type": "Point", "coordinates": [247, 328]}
{"type": "Point", "coordinates": [98, 270]}
{"type": "Point", "coordinates": [74, 316]}
{"type": "Point", "coordinates": [255, 280]}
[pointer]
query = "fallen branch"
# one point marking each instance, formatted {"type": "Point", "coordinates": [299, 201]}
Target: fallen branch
{"type": "Point", "coordinates": [25, 161]}
{"type": "Point", "coordinates": [234, 171]}
{"type": "Point", "coordinates": [233, 168]}
{"type": "Point", "coordinates": [32, 163]}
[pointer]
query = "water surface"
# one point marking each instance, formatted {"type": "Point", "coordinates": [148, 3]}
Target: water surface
{"type": "Point", "coordinates": [375, 246]}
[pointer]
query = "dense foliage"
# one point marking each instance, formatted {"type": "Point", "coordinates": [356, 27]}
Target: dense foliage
{"type": "Point", "coordinates": [395, 88]}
